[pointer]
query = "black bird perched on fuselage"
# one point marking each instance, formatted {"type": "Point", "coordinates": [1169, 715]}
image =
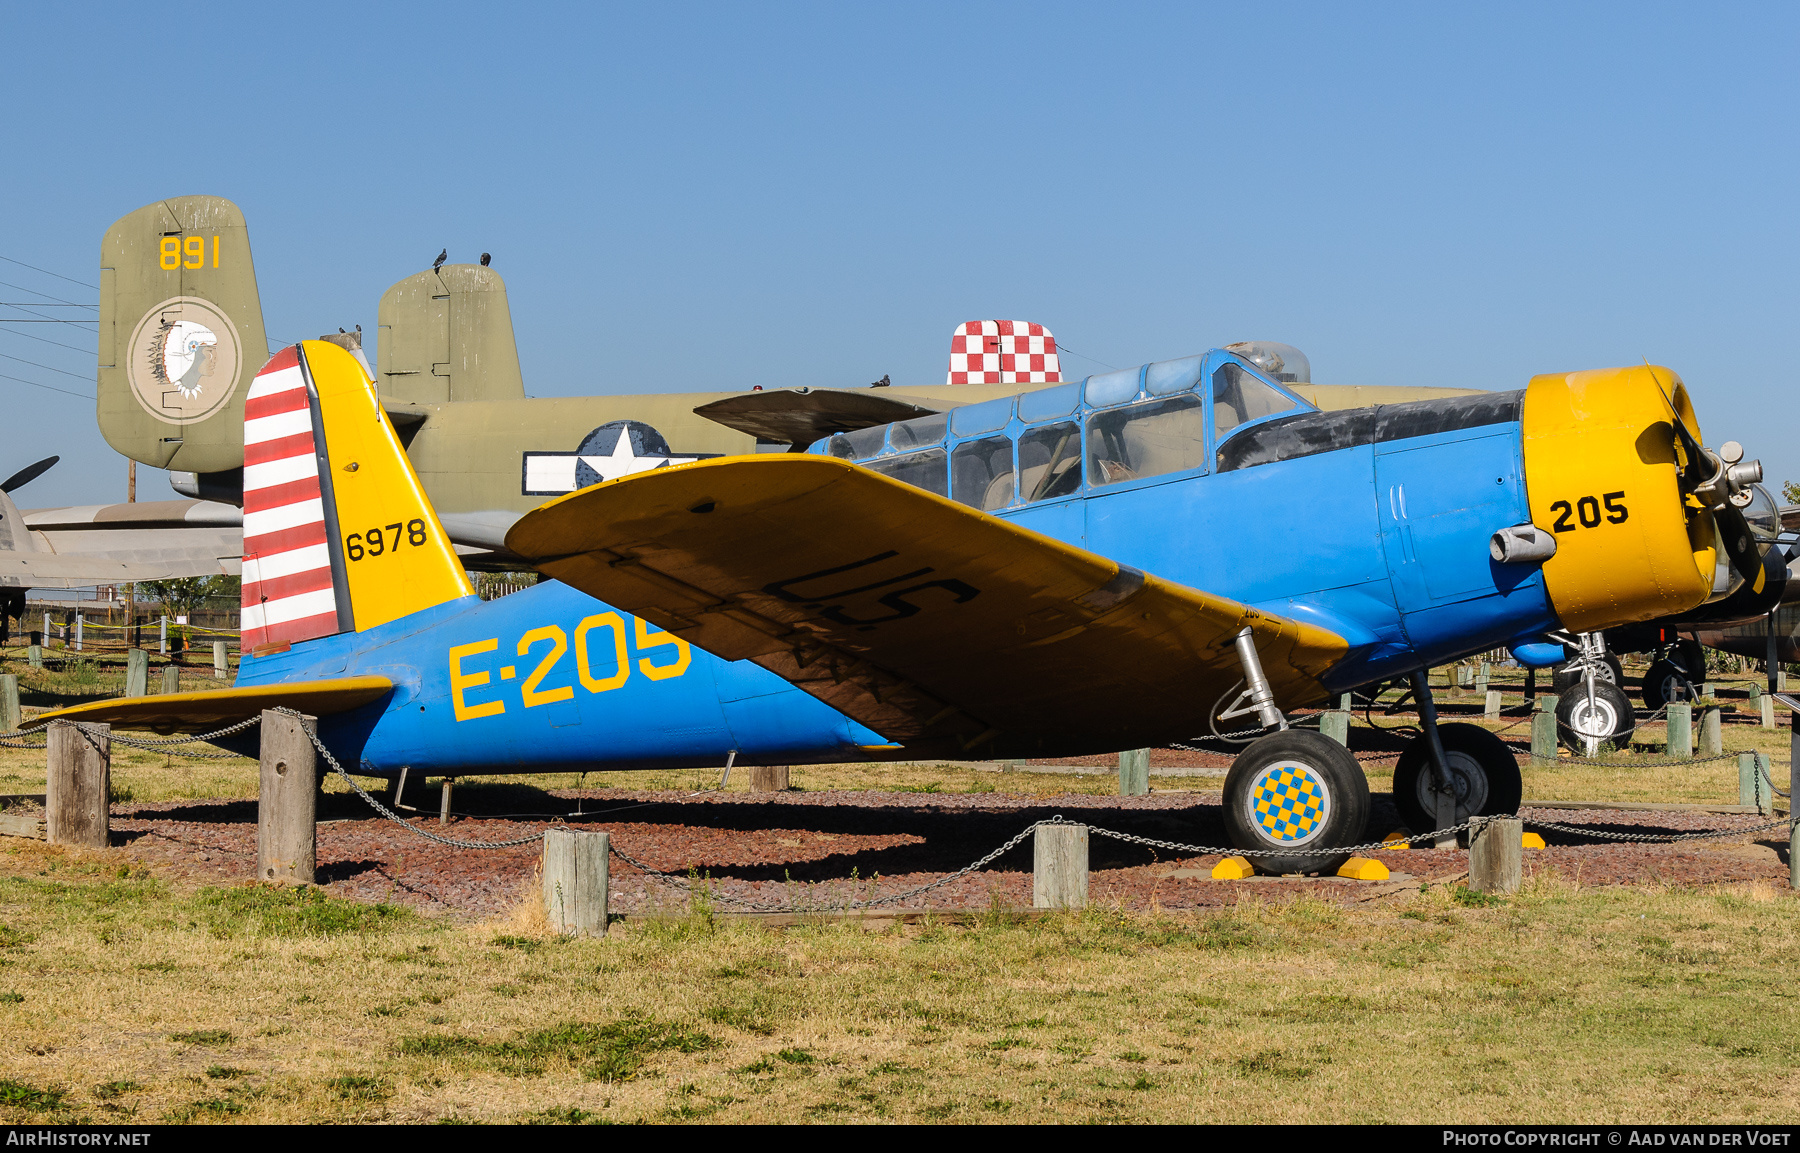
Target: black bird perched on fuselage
{"type": "Point", "coordinates": [484, 259]}
{"type": "Point", "coordinates": [439, 262]}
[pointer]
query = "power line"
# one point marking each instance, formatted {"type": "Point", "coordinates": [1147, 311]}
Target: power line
{"type": "Point", "coordinates": [39, 292]}
{"type": "Point", "coordinates": [41, 304]}
{"type": "Point", "coordinates": [47, 340]}
{"type": "Point", "coordinates": [50, 367]}
{"type": "Point", "coordinates": [48, 320]}
{"type": "Point", "coordinates": [52, 388]}
{"type": "Point", "coordinates": [47, 272]}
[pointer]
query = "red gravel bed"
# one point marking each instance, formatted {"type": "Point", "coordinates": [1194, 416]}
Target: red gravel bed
{"type": "Point", "coordinates": [820, 850]}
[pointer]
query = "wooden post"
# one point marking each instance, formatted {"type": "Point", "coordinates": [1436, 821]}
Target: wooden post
{"type": "Point", "coordinates": [1781, 680]}
{"type": "Point", "coordinates": [1712, 739]}
{"type": "Point", "coordinates": [1765, 796]}
{"type": "Point", "coordinates": [171, 679]}
{"type": "Point", "coordinates": [1059, 867]}
{"type": "Point", "coordinates": [162, 636]}
{"type": "Point", "coordinates": [1134, 773]}
{"type": "Point", "coordinates": [768, 778]}
{"type": "Point", "coordinates": [1547, 704]}
{"type": "Point", "coordinates": [9, 703]}
{"type": "Point", "coordinates": [1681, 730]}
{"type": "Point", "coordinates": [1755, 692]}
{"type": "Point", "coordinates": [1747, 782]}
{"type": "Point", "coordinates": [576, 881]}
{"type": "Point", "coordinates": [34, 656]}
{"type": "Point", "coordinates": [444, 801]}
{"type": "Point", "coordinates": [1543, 734]}
{"type": "Point", "coordinates": [77, 784]}
{"type": "Point", "coordinates": [1495, 863]}
{"type": "Point", "coordinates": [1768, 711]}
{"type": "Point", "coordinates": [287, 827]}
{"type": "Point", "coordinates": [1481, 678]}
{"type": "Point", "coordinates": [1492, 710]}
{"type": "Point", "coordinates": [137, 673]}
{"type": "Point", "coordinates": [1345, 702]}
{"type": "Point", "coordinates": [219, 661]}
{"type": "Point", "coordinates": [1793, 848]}
{"type": "Point", "coordinates": [1335, 723]}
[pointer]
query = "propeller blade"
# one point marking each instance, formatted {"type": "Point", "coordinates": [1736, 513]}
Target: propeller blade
{"type": "Point", "coordinates": [1740, 545]}
{"type": "Point", "coordinates": [27, 474]}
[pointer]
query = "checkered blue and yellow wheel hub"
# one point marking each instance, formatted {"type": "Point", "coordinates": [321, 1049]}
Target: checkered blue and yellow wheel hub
{"type": "Point", "coordinates": [1289, 803]}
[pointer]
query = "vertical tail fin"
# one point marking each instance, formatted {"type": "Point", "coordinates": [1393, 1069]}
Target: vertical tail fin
{"type": "Point", "coordinates": [181, 333]}
{"type": "Point", "coordinates": [1003, 352]}
{"type": "Point", "coordinates": [338, 533]}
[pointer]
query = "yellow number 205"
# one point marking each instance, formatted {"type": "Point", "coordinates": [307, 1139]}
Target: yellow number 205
{"type": "Point", "coordinates": [187, 252]}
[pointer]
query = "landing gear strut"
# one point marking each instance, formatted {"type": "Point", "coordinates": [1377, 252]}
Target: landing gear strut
{"type": "Point", "coordinates": [1295, 789]}
{"type": "Point", "coordinates": [1593, 713]}
{"type": "Point", "coordinates": [1453, 772]}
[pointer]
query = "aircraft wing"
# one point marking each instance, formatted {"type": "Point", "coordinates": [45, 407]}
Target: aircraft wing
{"type": "Point", "coordinates": [803, 415]}
{"type": "Point", "coordinates": [210, 709]}
{"type": "Point", "coordinates": [78, 570]}
{"type": "Point", "coordinates": [949, 630]}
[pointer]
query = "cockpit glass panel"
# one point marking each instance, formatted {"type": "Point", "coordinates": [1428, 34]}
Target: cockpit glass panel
{"type": "Point", "coordinates": [1239, 397]}
{"type": "Point", "coordinates": [1146, 439]}
{"type": "Point", "coordinates": [917, 432]}
{"type": "Point", "coordinates": [1049, 403]}
{"type": "Point", "coordinates": [1109, 388]}
{"type": "Point", "coordinates": [866, 442]}
{"type": "Point", "coordinates": [988, 416]}
{"type": "Point", "coordinates": [1049, 461]}
{"type": "Point", "coordinates": [920, 469]}
{"type": "Point", "coordinates": [981, 473]}
{"type": "Point", "coordinates": [1167, 377]}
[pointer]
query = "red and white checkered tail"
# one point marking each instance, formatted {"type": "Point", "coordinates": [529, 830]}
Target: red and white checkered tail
{"type": "Point", "coordinates": [1003, 352]}
{"type": "Point", "coordinates": [289, 592]}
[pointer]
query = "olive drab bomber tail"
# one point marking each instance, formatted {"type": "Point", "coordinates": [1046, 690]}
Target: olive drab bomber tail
{"type": "Point", "coordinates": [181, 334]}
{"type": "Point", "coordinates": [338, 534]}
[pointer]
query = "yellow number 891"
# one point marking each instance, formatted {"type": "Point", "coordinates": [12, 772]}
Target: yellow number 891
{"type": "Point", "coordinates": [190, 252]}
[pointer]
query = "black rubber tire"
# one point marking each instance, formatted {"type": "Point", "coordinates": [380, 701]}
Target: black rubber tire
{"type": "Point", "coordinates": [1481, 767]}
{"type": "Point", "coordinates": [1664, 683]}
{"type": "Point", "coordinates": [1572, 725]}
{"type": "Point", "coordinates": [1322, 768]}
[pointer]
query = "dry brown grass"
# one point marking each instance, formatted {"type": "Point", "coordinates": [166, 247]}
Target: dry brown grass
{"type": "Point", "coordinates": [126, 999]}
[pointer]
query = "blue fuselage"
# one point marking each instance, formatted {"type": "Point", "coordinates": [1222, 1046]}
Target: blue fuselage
{"type": "Point", "coordinates": [1372, 523]}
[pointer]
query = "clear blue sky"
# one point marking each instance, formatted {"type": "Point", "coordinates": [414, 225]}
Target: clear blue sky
{"type": "Point", "coordinates": [713, 196]}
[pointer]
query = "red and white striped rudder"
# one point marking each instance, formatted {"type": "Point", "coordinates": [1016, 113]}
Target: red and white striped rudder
{"type": "Point", "coordinates": [288, 590]}
{"type": "Point", "coordinates": [1003, 352]}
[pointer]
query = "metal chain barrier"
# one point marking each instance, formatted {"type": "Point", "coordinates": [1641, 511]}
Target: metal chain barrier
{"type": "Point", "coordinates": [1204, 850]}
{"type": "Point", "coordinates": [771, 906]}
{"type": "Point", "coordinates": [151, 743]}
{"type": "Point", "coordinates": [1662, 838]}
{"type": "Point", "coordinates": [453, 842]}
{"type": "Point", "coordinates": [1762, 767]}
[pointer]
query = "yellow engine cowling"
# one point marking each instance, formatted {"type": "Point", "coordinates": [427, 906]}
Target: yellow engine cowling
{"type": "Point", "coordinates": [1601, 465]}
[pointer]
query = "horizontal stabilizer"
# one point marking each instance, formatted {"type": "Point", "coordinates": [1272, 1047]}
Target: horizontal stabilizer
{"type": "Point", "coordinates": [212, 709]}
{"type": "Point", "coordinates": [939, 626]}
{"type": "Point", "coordinates": [802, 415]}
{"type": "Point", "coordinates": [45, 570]}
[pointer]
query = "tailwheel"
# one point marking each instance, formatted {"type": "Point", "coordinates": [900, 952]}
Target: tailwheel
{"type": "Point", "coordinates": [1483, 771]}
{"type": "Point", "coordinates": [1591, 718]}
{"type": "Point", "coordinates": [1296, 790]}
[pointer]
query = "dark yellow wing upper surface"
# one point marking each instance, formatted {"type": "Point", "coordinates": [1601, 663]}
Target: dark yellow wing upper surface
{"type": "Point", "coordinates": [952, 631]}
{"type": "Point", "coordinates": [211, 709]}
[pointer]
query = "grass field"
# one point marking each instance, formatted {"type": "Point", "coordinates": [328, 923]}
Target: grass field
{"type": "Point", "coordinates": [123, 998]}
{"type": "Point", "coordinates": [127, 997]}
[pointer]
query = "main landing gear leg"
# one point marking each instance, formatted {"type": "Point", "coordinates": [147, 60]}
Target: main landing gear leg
{"type": "Point", "coordinates": [1442, 790]}
{"type": "Point", "coordinates": [1294, 792]}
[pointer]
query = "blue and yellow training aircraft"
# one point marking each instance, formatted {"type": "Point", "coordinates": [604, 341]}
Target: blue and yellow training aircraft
{"type": "Point", "coordinates": [1119, 562]}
